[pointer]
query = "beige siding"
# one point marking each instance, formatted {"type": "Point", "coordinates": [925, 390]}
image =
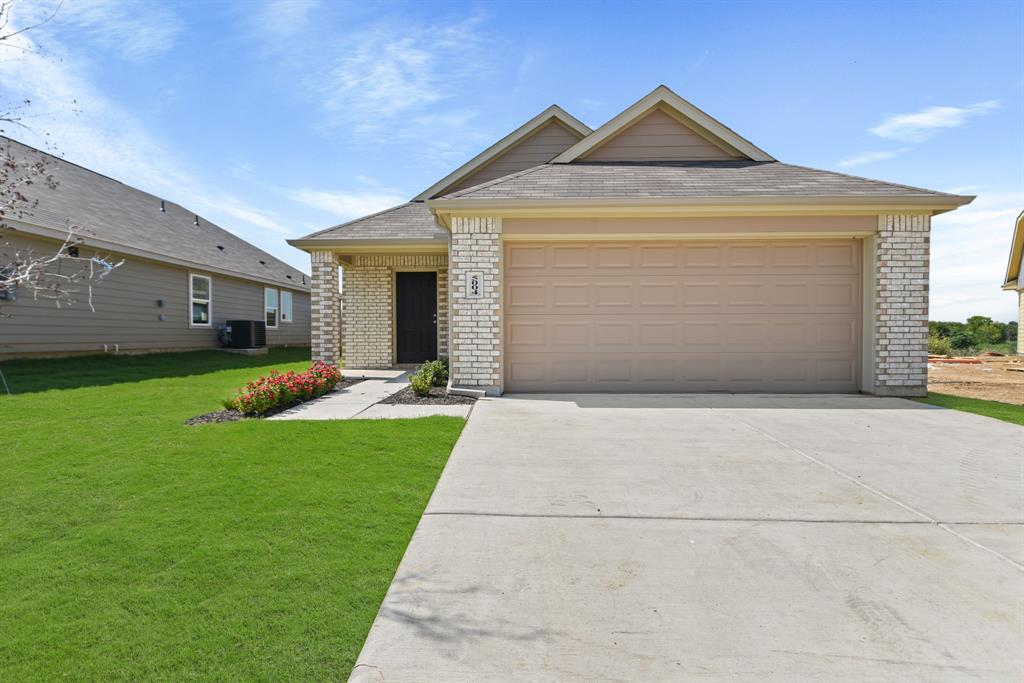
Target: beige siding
{"type": "Point", "coordinates": [738, 315]}
{"type": "Point", "coordinates": [127, 312]}
{"type": "Point", "coordinates": [657, 137]}
{"type": "Point", "coordinates": [540, 228]}
{"type": "Point", "coordinates": [543, 145]}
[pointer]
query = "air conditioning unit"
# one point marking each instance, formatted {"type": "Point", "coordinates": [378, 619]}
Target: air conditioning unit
{"type": "Point", "coordinates": [245, 334]}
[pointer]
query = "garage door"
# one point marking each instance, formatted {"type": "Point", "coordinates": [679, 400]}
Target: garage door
{"type": "Point", "coordinates": [748, 316]}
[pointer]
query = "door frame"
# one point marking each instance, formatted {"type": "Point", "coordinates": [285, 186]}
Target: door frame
{"type": "Point", "coordinates": [394, 305]}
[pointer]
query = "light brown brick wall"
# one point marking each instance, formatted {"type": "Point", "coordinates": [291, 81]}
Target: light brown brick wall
{"type": "Point", "coordinates": [367, 328]}
{"type": "Point", "coordinates": [1020, 321]}
{"type": "Point", "coordinates": [325, 307]}
{"type": "Point", "coordinates": [901, 305]}
{"type": "Point", "coordinates": [476, 322]}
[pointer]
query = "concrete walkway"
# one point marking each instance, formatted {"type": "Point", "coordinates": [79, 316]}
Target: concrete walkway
{"type": "Point", "coordinates": [714, 538]}
{"type": "Point", "coordinates": [361, 401]}
{"type": "Point", "coordinates": [352, 401]}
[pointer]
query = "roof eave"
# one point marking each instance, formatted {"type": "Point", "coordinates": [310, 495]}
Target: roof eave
{"type": "Point", "coordinates": [1013, 266]}
{"type": "Point", "coordinates": [698, 205]}
{"type": "Point", "coordinates": [342, 243]}
{"type": "Point", "coordinates": [117, 248]}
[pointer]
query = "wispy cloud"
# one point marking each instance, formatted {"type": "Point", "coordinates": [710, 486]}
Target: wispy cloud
{"type": "Point", "coordinates": [920, 126]}
{"type": "Point", "coordinates": [287, 17]}
{"type": "Point", "coordinates": [870, 157]}
{"type": "Point", "coordinates": [70, 114]}
{"type": "Point", "coordinates": [700, 61]}
{"type": "Point", "coordinates": [135, 29]}
{"type": "Point", "coordinates": [348, 205]}
{"type": "Point", "coordinates": [970, 247]}
{"type": "Point", "coordinates": [389, 72]}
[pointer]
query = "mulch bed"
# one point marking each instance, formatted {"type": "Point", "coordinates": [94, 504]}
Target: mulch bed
{"type": "Point", "coordinates": [438, 396]}
{"type": "Point", "coordinates": [234, 415]}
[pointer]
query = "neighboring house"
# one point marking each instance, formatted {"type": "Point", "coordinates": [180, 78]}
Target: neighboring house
{"type": "Point", "coordinates": [182, 275]}
{"type": "Point", "coordinates": [661, 252]}
{"type": "Point", "coordinates": [1014, 279]}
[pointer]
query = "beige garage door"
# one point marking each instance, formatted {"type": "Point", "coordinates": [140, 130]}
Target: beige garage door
{"type": "Point", "coordinates": [764, 316]}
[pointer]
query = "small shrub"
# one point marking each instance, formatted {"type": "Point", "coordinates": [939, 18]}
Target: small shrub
{"type": "Point", "coordinates": [279, 389]}
{"type": "Point", "coordinates": [422, 383]}
{"type": "Point", "coordinates": [960, 340]}
{"type": "Point", "coordinates": [938, 345]}
{"type": "Point", "coordinates": [438, 370]}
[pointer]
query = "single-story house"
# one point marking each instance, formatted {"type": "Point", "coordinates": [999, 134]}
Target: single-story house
{"type": "Point", "coordinates": [661, 252]}
{"type": "Point", "coordinates": [1013, 280]}
{"type": "Point", "coordinates": [182, 275]}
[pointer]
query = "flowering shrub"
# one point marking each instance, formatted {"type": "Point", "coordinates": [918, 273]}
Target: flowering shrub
{"type": "Point", "coordinates": [279, 389]}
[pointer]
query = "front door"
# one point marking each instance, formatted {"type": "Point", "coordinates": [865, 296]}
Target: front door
{"type": "Point", "coordinates": [416, 316]}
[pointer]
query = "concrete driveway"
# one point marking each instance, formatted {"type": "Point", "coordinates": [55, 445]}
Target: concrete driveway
{"type": "Point", "coordinates": [714, 538]}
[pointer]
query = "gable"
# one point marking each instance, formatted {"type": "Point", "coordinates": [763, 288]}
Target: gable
{"type": "Point", "coordinates": [542, 146]}
{"type": "Point", "coordinates": [639, 144]}
{"type": "Point", "coordinates": [657, 136]}
{"type": "Point", "coordinates": [546, 135]}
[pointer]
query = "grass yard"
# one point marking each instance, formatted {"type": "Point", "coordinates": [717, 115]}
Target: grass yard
{"type": "Point", "coordinates": [133, 547]}
{"type": "Point", "coordinates": [1001, 411]}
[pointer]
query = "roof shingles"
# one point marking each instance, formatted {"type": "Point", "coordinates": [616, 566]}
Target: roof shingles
{"type": "Point", "coordinates": [680, 179]}
{"type": "Point", "coordinates": [119, 214]}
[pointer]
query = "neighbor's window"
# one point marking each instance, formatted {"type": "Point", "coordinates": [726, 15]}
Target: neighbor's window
{"type": "Point", "coordinates": [270, 306]}
{"type": "Point", "coordinates": [200, 296]}
{"type": "Point", "coordinates": [286, 306]}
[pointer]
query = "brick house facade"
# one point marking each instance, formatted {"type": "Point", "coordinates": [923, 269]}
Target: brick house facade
{"type": "Point", "coordinates": [659, 252]}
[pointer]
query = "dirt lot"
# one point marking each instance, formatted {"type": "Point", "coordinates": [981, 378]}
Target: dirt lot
{"type": "Point", "coordinates": [990, 380]}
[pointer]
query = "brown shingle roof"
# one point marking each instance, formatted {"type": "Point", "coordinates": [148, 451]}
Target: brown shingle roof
{"type": "Point", "coordinates": [412, 221]}
{"type": "Point", "coordinates": [622, 180]}
{"type": "Point", "coordinates": [119, 214]}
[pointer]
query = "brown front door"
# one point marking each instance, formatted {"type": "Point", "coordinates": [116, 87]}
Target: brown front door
{"type": "Point", "coordinates": [416, 316]}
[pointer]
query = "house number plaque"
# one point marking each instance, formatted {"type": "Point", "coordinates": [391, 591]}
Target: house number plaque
{"type": "Point", "coordinates": [474, 284]}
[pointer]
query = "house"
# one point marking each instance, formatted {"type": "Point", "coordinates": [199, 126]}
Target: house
{"type": "Point", "coordinates": [182, 276]}
{"type": "Point", "coordinates": [661, 252]}
{"type": "Point", "coordinates": [1013, 280]}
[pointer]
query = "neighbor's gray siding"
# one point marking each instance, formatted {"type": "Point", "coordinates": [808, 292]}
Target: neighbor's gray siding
{"type": "Point", "coordinates": [127, 313]}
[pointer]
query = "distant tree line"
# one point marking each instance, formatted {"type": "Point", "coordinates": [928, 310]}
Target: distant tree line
{"type": "Point", "coordinates": [979, 332]}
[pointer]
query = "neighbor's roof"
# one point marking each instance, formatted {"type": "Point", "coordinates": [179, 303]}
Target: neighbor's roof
{"type": "Point", "coordinates": [1012, 280]}
{"type": "Point", "coordinates": [673, 179]}
{"type": "Point", "coordinates": [412, 222]}
{"type": "Point", "coordinates": [124, 219]}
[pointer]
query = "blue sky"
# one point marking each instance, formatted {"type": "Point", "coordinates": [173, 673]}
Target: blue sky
{"type": "Point", "coordinates": [276, 118]}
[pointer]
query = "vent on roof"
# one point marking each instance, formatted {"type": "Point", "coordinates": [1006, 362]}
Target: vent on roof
{"type": "Point", "coordinates": [220, 247]}
{"type": "Point", "coordinates": [288, 276]}
{"type": "Point", "coordinates": [303, 279]}
{"type": "Point", "coordinates": [163, 209]}
{"type": "Point", "coordinates": [263, 263]}
{"type": "Point", "coordinates": [195, 219]}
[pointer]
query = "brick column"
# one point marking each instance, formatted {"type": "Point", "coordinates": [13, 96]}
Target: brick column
{"type": "Point", "coordinates": [325, 308]}
{"type": "Point", "coordinates": [476, 321]}
{"type": "Point", "coordinates": [901, 305]}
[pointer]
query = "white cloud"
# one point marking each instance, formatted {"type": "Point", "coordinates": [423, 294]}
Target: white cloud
{"type": "Point", "coordinates": [392, 75]}
{"type": "Point", "coordinates": [287, 17]}
{"type": "Point", "coordinates": [969, 251]}
{"type": "Point", "coordinates": [919, 126]}
{"type": "Point", "coordinates": [700, 61]}
{"type": "Point", "coordinates": [70, 115]}
{"type": "Point", "coordinates": [136, 29]}
{"type": "Point", "coordinates": [348, 205]}
{"type": "Point", "coordinates": [870, 157]}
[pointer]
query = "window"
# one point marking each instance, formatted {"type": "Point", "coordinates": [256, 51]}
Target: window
{"type": "Point", "coordinates": [286, 306]}
{"type": "Point", "coordinates": [270, 306]}
{"type": "Point", "coordinates": [200, 294]}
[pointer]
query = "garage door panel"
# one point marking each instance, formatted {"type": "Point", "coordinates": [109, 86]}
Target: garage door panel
{"type": "Point", "coordinates": [689, 316]}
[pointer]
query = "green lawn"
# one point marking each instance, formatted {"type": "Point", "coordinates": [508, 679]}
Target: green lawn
{"type": "Point", "coordinates": [133, 547]}
{"type": "Point", "coordinates": [1001, 411]}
